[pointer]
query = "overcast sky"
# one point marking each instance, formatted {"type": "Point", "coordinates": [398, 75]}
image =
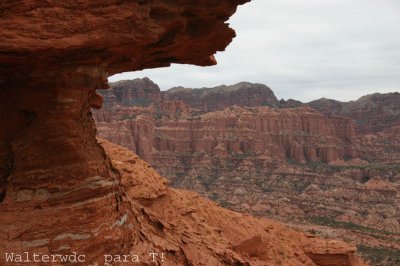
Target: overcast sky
{"type": "Point", "coordinates": [304, 50]}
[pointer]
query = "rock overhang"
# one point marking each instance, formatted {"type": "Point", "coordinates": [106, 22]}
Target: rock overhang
{"type": "Point", "coordinates": [54, 39]}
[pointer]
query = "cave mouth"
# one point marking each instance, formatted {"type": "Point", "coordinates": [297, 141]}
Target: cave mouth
{"type": "Point", "coordinates": [5, 173]}
{"type": "Point", "coordinates": [2, 192]}
{"type": "Point", "coordinates": [21, 119]}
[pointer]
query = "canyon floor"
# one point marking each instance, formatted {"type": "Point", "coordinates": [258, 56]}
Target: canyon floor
{"type": "Point", "coordinates": [328, 168]}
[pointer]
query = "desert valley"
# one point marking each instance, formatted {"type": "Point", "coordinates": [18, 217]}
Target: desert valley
{"type": "Point", "coordinates": [132, 175]}
{"type": "Point", "coordinates": [325, 167]}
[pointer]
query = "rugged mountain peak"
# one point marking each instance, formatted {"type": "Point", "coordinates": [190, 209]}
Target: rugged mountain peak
{"type": "Point", "coordinates": [139, 83]}
{"type": "Point", "coordinates": [290, 103]}
{"type": "Point", "coordinates": [137, 92]}
{"type": "Point", "coordinates": [143, 92]}
{"type": "Point", "coordinates": [379, 97]}
{"type": "Point", "coordinates": [371, 113]}
{"type": "Point", "coordinates": [217, 98]}
{"type": "Point", "coordinates": [222, 88]}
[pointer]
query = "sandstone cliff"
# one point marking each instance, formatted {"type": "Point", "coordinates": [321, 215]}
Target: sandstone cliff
{"type": "Point", "coordinates": [193, 231]}
{"type": "Point", "coordinates": [372, 113]}
{"type": "Point", "coordinates": [62, 192]}
{"type": "Point", "coordinates": [143, 92]}
{"type": "Point", "coordinates": [138, 92]}
{"type": "Point", "coordinates": [218, 98]}
{"type": "Point", "coordinates": [302, 135]}
{"type": "Point", "coordinates": [310, 170]}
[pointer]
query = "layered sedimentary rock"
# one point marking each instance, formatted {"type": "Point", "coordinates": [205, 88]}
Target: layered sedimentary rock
{"type": "Point", "coordinates": [93, 40]}
{"type": "Point", "coordinates": [144, 92]}
{"type": "Point", "coordinates": [191, 230]}
{"type": "Point", "coordinates": [372, 113]}
{"type": "Point", "coordinates": [60, 188]}
{"type": "Point", "coordinates": [61, 192]}
{"type": "Point", "coordinates": [154, 125]}
{"type": "Point", "coordinates": [150, 124]}
{"type": "Point", "coordinates": [310, 170]}
{"type": "Point", "coordinates": [148, 216]}
{"type": "Point", "coordinates": [301, 135]}
{"type": "Point", "coordinates": [138, 92]}
{"type": "Point", "coordinates": [218, 98]}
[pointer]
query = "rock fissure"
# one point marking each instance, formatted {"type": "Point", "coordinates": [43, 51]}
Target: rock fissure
{"type": "Point", "coordinates": [7, 164]}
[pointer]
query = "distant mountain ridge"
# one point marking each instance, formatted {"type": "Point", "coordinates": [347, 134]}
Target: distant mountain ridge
{"type": "Point", "coordinates": [371, 113]}
{"type": "Point", "coordinates": [326, 167]}
{"type": "Point", "coordinates": [220, 97]}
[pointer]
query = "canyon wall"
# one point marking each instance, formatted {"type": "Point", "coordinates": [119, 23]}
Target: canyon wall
{"type": "Point", "coordinates": [61, 191]}
{"type": "Point", "coordinates": [150, 123]}
{"type": "Point", "coordinates": [212, 99]}
{"type": "Point", "coordinates": [372, 113]}
{"type": "Point", "coordinates": [316, 172]}
{"type": "Point", "coordinates": [302, 135]}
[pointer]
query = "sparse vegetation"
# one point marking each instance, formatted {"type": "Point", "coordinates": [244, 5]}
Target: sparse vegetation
{"type": "Point", "coordinates": [380, 256]}
{"type": "Point", "coordinates": [136, 102]}
{"type": "Point", "coordinates": [299, 187]}
{"type": "Point", "coordinates": [313, 231]}
{"type": "Point", "coordinates": [243, 155]}
{"type": "Point", "coordinates": [159, 114]}
{"type": "Point", "coordinates": [127, 117]}
{"type": "Point", "coordinates": [372, 166]}
{"type": "Point", "coordinates": [223, 203]}
{"type": "Point", "coordinates": [327, 221]}
{"type": "Point", "coordinates": [327, 167]}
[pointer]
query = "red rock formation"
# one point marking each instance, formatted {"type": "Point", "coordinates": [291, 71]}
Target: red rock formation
{"type": "Point", "coordinates": [143, 92]}
{"type": "Point", "coordinates": [382, 147]}
{"type": "Point", "coordinates": [93, 40]}
{"type": "Point", "coordinates": [372, 113]}
{"type": "Point", "coordinates": [138, 92]}
{"type": "Point", "coordinates": [218, 98]}
{"type": "Point", "coordinates": [287, 134]}
{"type": "Point", "coordinates": [186, 226]}
{"type": "Point", "coordinates": [61, 192]}
{"type": "Point", "coordinates": [60, 188]}
{"type": "Point", "coordinates": [272, 162]}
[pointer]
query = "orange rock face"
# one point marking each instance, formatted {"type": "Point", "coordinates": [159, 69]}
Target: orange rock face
{"type": "Point", "coordinates": [92, 40]}
{"type": "Point", "coordinates": [163, 128]}
{"type": "Point", "coordinates": [310, 170]}
{"type": "Point", "coordinates": [265, 131]}
{"type": "Point", "coordinates": [193, 231]}
{"type": "Point", "coordinates": [60, 188]}
{"type": "Point", "coordinates": [372, 113]}
{"type": "Point", "coordinates": [218, 98]}
{"type": "Point", "coordinates": [61, 192]}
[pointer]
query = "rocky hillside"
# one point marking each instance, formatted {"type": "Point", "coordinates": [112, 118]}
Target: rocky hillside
{"type": "Point", "coordinates": [143, 92]}
{"type": "Point", "coordinates": [310, 170]}
{"type": "Point", "coordinates": [372, 113]}
{"type": "Point", "coordinates": [67, 197]}
{"type": "Point", "coordinates": [138, 92]}
{"type": "Point", "coordinates": [302, 136]}
{"type": "Point", "coordinates": [185, 227]}
{"type": "Point", "coordinates": [218, 98]}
